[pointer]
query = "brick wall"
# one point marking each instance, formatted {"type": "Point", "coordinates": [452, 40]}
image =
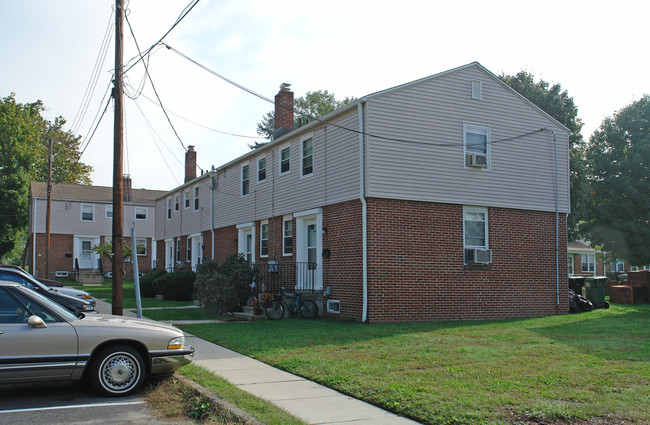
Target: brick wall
{"type": "Point", "coordinates": [60, 245]}
{"type": "Point", "coordinates": [416, 270]}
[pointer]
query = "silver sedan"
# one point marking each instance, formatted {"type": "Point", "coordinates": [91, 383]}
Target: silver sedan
{"type": "Point", "coordinates": [42, 341]}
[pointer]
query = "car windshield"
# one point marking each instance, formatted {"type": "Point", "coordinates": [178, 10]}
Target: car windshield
{"type": "Point", "coordinates": [55, 308]}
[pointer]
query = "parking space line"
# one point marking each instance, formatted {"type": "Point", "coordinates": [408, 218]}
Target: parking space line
{"type": "Point", "coordinates": [74, 406]}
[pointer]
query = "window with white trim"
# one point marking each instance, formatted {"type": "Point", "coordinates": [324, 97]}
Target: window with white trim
{"type": "Point", "coordinates": [87, 212]}
{"type": "Point", "coordinates": [141, 247]}
{"type": "Point", "coordinates": [287, 236]}
{"type": "Point", "coordinates": [187, 199]}
{"type": "Point", "coordinates": [477, 90]}
{"type": "Point", "coordinates": [188, 258]}
{"type": "Point", "coordinates": [177, 203]}
{"type": "Point", "coordinates": [196, 198]}
{"type": "Point", "coordinates": [569, 265]}
{"type": "Point", "coordinates": [475, 230]}
{"type": "Point", "coordinates": [285, 160]}
{"type": "Point", "coordinates": [141, 213]}
{"type": "Point", "coordinates": [169, 208]}
{"type": "Point", "coordinates": [245, 180]}
{"type": "Point", "coordinates": [264, 238]}
{"type": "Point", "coordinates": [308, 156]}
{"type": "Point", "coordinates": [108, 212]}
{"type": "Point", "coordinates": [476, 142]}
{"type": "Point", "coordinates": [178, 250]}
{"type": "Point", "coordinates": [588, 263]}
{"type": "Point", "coordinates": [261, 169]}
{"type": "Point", "coordinates": [617, 266]}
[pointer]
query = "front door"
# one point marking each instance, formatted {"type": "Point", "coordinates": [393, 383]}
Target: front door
{"type": "Point", "coordinates": [196, 252]}
{"type": "Point", "coordinates": [83, 248]}
{"type": "Point", "coordinates": [169, 256]}
{"type": "Point", "coordinates": [309, 268]}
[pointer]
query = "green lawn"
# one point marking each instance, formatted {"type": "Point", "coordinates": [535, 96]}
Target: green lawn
{"type": "Point", "coordinates": [553, 368]}
{"type": "Point", "coordinates": [128, 296]}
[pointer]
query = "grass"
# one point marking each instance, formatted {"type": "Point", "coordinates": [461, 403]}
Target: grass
{"type": "Point", "coordinates": [563, 368]}
{"type": "Point", "coordinates": [128, 296]}
{"type": "Point", "coordinates": [184, 314]}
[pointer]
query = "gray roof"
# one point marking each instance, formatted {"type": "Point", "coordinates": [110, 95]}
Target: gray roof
{"type": "Point", "coordinates": [80, 192]}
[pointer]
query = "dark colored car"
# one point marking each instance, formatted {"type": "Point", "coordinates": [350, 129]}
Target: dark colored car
{"type": "Point", "coordinates": [72, 299]}
{"type": "Point", "coordinates": [42, 341]}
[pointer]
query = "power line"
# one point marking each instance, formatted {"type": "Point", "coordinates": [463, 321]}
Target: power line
{"type": "Point", "coordinates": [95, 129]}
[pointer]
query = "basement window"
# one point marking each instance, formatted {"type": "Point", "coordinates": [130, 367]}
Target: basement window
{"type": "Point", "coordinates": [334, 306]}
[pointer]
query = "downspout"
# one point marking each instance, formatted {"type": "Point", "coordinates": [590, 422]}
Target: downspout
{"type": "Point", "coordinates": [33, 270]}
{"type": "Point", "coordinates": [364, 214]}
{"type": "Point", "coordinates": [213, 184]}
{"type": "Point", "coordinates": [557, 229]}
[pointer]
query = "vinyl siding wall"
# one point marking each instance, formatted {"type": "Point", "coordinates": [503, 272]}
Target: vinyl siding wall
{"type": "Point", "coordinates": [430, 164]}
{"type": "Point", "coordinates": [185, 221]}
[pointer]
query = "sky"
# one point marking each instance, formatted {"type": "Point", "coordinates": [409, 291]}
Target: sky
{"type": "Point", "coordinates": [50, 49]}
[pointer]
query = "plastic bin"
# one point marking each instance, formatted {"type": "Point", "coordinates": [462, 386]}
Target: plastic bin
{"type": "Point", "coordinates": [595, 291]}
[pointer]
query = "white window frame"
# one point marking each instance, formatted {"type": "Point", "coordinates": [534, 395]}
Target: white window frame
{"type": "Point", "coordinates": [245, 179]}
{"type": "Point", "coordinates": [614, 266]}
{"type": "Point", "coordinates": [477, 89]}
{"type": "Point", "coordinates": [146, 213]}
{"type": "Point", "coordinates": [486, 244]}
{"type": "Point", "coordinates": [287, 219]}
{"type": "Point", "coordinates": [242, 230]}
{"type": "Point", "coordinates": [177, 258]}
{"type": "Point", "coordinates": [334, 306]}
{"type": "Point", "coordinates": [280, 150]}
{"type": "Point", "coordinates": [591, 263]}
{"type": "Point", "coordinates": [108, 209]}
{"type": "Point", "coordinates": [177, 202]}
{"type": "Point", "coordinates": [260, 169]}
{"type": "Point", "coordinates": [92, 211]}
{"type": "Point", "coordinates": [137, 243]}
{"type": "Point", "coordinates": [481, 129]}
{"type": "Point", "coordinates": [188, 200]}
{"type": "Point", "coordinates": [196, 198]}
{"type": "Point", "coordinates": [308, 138]}
{"type": "Point", "coordinates": [188, 252]}
{"type": "Point", "coordinates": [264, 238]}
{"type": "Point", "coordinates": [169, 208]}
{"type": "Point", "coordinates": [570, 265]}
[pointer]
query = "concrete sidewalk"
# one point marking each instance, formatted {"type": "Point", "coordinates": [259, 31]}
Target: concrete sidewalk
{"type": "Point", "coordinates": [309, 401]}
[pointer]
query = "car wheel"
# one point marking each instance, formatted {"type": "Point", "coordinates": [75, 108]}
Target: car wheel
{"type": "Point", "coordinates": [117, 371]}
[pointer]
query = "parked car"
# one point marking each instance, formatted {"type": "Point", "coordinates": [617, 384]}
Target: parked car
{"type": "Point", "coordinates": [42, 341]}
{"type": "Point", "coordinates": [73, 299]}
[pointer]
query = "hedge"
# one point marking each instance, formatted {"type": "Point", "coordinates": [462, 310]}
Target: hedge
{"type": "Point", "coordinates": [178, 286]}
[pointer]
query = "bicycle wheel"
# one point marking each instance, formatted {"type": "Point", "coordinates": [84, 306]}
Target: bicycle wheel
{"type": "Point", "coordinates": [274, 310]}
{"type": "Point", "coordinates": [309, 309]}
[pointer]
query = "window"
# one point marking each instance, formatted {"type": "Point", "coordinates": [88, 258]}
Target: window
{"type": "Point", "coordinates": [196, 198]}
{"type": "Point", "coordinates": [87, 212]}
{"type": "Point", "coordinates": [588, 263]}
{"type": "Point", "coordinates": [333, 306]}
{"type": "Point", "coordinates": [178, 250]}
{"type": "Point", "coordinates": [285, 157]}
{"type": "Point", "coordinates": [287, 236]}
{"type": "Point", "coordinates": [177, 203]}
{"type": "Point", "coordinates": [617, 266]}
{"type": "Point", "coordinates": [477, 90]}
{"type": "Point", "coordinates": [169, 208]}
{"type": "Point", "coordinates": [261, 169]}
{"type": "Point", "coordinates": [189, 250]}
{"type": "Point", "coordinates": [187, 199]}
{"type": "Point", "coordinates": [307, 156]}
{"type": "Point", "coordinates": [569, 265]}
{"type": "Point", "coordinates": [476, 140]}
{"type": "Point", "coordinates": [109, 211]}
{"type": "Point", "coordinates": [245, 182]}
{"type": "Point", "coordinates": [475, 229]}
{"type": "Point", "coordinates": [140, 213]}
{"type": "Point", "coordinates": [264, 239]}
{"type": "Point", "coordinates": [141, 247]}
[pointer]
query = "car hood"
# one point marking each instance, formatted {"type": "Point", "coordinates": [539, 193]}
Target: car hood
{"type": "Point", "coordinates": [68, 291]}
{"type": "Point", "coordinates": [108, 320]}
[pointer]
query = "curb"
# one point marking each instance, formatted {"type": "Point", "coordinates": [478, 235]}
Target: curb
{"type": "Point", "coordinates": [219, 402]}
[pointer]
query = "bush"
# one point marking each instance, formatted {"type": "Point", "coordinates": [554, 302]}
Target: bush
{"type": "Point", "coordinates": [226, 286]}
{"type": "Point", "coordinates": [146, 282]}
{"type": "Point", "coordinates": [177, 286]}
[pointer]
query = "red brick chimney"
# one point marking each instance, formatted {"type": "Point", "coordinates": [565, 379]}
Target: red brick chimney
{"type": "Point", "coordinates": [283, 110]}
{"type": "Point", "coordinates": [190, 164]}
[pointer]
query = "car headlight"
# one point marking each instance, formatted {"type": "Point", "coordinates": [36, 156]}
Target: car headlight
{"type": "Point", "coordinates": [176, 343]}
{"type": "Point", "coordinates": [87, 307]}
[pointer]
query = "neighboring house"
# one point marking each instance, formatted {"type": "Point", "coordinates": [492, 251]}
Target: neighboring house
{"type": "Point", "coordinates": [443, 198]}
{"type": "Point", "coordinates": [80, 219]}
{"type": "Point", "coordinates": [583, 260]}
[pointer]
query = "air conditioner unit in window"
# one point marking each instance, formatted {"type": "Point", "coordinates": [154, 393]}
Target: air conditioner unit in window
{"type": "Point", "coordinates": [478, 256]}
{"type": "Point", "coordinates": [476, 160]}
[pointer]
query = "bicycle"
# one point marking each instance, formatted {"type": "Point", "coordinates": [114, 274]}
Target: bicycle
{"type": "Point", "coordinates": [274, 308]}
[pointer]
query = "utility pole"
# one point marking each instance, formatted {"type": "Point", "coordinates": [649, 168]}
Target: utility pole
{"type": "Point", "coordinates": [47, 212]}
{"type": "Point", "coordinates": [118, 134]}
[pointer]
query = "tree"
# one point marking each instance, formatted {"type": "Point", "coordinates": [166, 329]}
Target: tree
{"type": "Point", "coordinates": [24, 146]}
{"type": "Point", "coordinates": [619, 175]}
{"type": "Point", "coordinates": [306, 108]}
{"type": "Point", "coordinates": [558, 104]}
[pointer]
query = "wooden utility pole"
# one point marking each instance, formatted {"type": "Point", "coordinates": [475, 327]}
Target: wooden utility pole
{"type": "Point", "coordinates": [47, 212]}
{"type": "Point", "coordinates": [118, 134]}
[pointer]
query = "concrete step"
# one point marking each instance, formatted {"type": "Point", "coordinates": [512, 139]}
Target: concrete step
{"type": "Point", "coordinates": [249, 314]}
{"type": "Point", "coordinates": [90, 277]}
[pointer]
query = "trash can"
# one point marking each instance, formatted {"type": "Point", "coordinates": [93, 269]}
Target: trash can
{"type": "Point", "coordinates": [576, 283]}
{"type": "Point", "coordinates": [595, 291]}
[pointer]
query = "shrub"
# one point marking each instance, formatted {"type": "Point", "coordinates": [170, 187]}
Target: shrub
{"type": "Point", "coordinates": [146, 282]}
{"type": "Point", "coordinates": [177, 286]}
{"type": "Point", "coordinates": [225, 286]}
